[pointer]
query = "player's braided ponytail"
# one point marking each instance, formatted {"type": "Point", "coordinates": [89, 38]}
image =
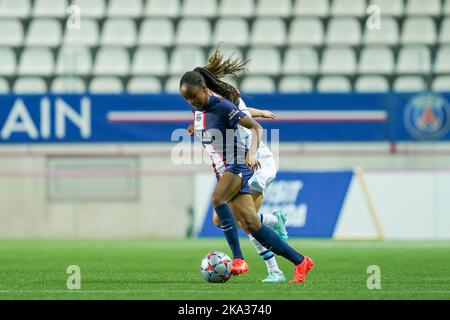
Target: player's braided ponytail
{"type": "Point", "coordinates": [221, 68]}
{"type": "Point", "coordinates": [224, 89]}
{"type": "Point", "coordinates": [218, 68]}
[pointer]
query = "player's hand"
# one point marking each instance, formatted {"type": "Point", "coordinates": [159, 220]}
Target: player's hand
{"type": "Point", "coordinates": [252, 162]}
{"type": "Point", "coordinates": [267, 114]}
{"type": "Point", "coordinates": [190, 129]}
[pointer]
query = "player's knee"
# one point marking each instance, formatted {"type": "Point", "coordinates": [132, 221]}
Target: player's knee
{"type": "Point", "coordinates": [250, 224]}
{"type": "Point", "coordinates": [218, 200]}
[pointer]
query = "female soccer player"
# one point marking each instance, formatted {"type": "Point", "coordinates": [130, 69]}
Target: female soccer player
{"type": "Point", "coordinates": [234, 165]}
{"type": "Point", "coordinates": [261, 178]}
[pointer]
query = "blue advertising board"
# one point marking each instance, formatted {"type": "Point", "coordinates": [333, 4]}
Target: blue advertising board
{"type": "Point", "coordinates": [154, 118]}
{"type": "Point", "coordinates": [311, 200]}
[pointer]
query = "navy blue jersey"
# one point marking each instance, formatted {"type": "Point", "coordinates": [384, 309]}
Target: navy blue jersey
{"type": "Point", "coordinates": [217, 127]}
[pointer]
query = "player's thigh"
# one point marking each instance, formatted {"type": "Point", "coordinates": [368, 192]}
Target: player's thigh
{"type": "Point", "coordinates": [244, 211]}
{"type": "Point", "coordinates": [226, 188]}
{"type": "Point", "coordinates": [257, 199]}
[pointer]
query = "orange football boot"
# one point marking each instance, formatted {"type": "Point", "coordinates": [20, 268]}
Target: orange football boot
{"type": "Point", "coordinates": [302, 269]}
{"type": "Point", "coordinates": [238, 266]}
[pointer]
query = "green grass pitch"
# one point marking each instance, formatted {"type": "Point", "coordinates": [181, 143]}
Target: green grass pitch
{"type": "Point", "coordinates": [159, 269]}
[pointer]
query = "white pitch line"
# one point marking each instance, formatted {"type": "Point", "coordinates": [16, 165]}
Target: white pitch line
{"type": "Point", "coordinates": [213, 291]}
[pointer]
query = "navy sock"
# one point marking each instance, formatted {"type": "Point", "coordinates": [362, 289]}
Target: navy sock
{"type": "Point", "coordinates": [270, 240]}
{"type": "Point", "coordinates": [229, 228]}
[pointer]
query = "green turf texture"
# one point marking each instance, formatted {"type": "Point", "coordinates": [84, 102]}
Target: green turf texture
{"type": "Point", "coordinates": [169, 269]}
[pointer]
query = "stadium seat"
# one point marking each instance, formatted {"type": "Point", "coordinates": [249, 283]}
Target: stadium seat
{"type": "Point", "coordinates": [355, 8]}
{"type": "Point", "coordinates": [409, 84]}
{"type": "Point", "coordinates": [106, 85]}
{"type": "Point", "coordinates": [442, 62]}
{"type": "Point", "coordinates": [91, 8]}
{"type": "Point", "coordinates": [36, 61]}
{"type": "Point", "coordinates": [231, 31]}
{"type": "Point", "coordinates": [7, 61]}
{"type": "Point", "coordinates": [371, 84]}
{"type": "Point", "coordinates": [344, 31]}
{"type": "Point", "coordinates": [423, 8]}
{"type": "Point", "coordinates": [338, 84]}
{"type": "Point", "coordinates": [270, 8]}
{"type": "Point", "coordinates": [162, 8]}
{"type": "Point", "coordinates": [306, 31]}
{"type": "Point", "coordinates": [265, 61]}
{"type": "Point", "coordinates": [87, 35]}
{"type": "Point", "coordinates": [413, 59]}
{"type": "Point", "coordinates": [418, 31]}
{"type": "Point", "coordinates": [4, 86]}
{"type": "Point", "coordinates": [257, 84]}
{"type": "Point", "coordinates": [149, 61]}
{"type": "Point", "coordinates": [128, 8]}
{"type": "Point", "coordinates": [184, 59]}
{"type": "Point", "coordinates": [444, 35]}
{"type": "Point", "coordinates": [447, 7]}
{"type": "Point", "coordinates": [311, 8]}
{"type": "Point", "coordinates": [74, 60]}
{"type": "Point", "coordinates": [268, 31]}
{"type": "Point", "coordinates": [193, 31]}
{"type": "Point", "coordinates": [29, 85]}
{"type": "Point", "coordinates": [15, 8]}
{"type": "Point", "coordinates": [112, 61]}
{"type": "Point", "coordinates": [338, 60]}
{"type": "Point", "coordinates": [141, 85]}
{"type": "Point", "coordinates": [295, 84]}
{"type": "Point", "coordinates": [173, 85]}
{"type": "Point", "coordinates": [11, 32]}
{"type": "Point", "coordinates": [388, 34]}
{"type": "Point", "coordinates": [157, 32]}
{"type": "Point", "coordinates": [199, 8]}
{"type": "Point", "coordinates": [50, 8]}
{"type": "Point", "coordinates": [300, 61]}
{"type": "Point", "coordinates": [393, 8]}
{"type": "Point", "coordinates": [44, 32]}
{"type": "Point", "coordinates": [228, 8]}
{"type": "Point", "coordinates": [120, 32]}
{"type": "Point", "coordinates": [441, 84]}
{"type": "Point", "coordinates": [68, 85]}
{"type": "Point", "coordinates": [376, 60]}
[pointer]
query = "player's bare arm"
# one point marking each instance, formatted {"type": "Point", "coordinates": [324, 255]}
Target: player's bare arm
{"type": "Point", "coordinates": [258, 113]}
{"type": "Point", "coordinates": [257, 130]}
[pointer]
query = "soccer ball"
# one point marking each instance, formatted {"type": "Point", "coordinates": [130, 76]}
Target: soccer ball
{"type": "Point", "coordinates": [216, 267]}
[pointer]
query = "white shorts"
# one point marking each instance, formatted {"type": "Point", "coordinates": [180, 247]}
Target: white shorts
{"type": "Point", "coordinates": [262, 177]}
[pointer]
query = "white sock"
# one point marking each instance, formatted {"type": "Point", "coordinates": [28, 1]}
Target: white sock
{"type": "Point", "coordinates": [266, 255]}
{"type": "Point", "coordinates": [268, 219]}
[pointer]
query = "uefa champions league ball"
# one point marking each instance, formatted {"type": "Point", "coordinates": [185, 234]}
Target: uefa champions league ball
{"type": "Point", "coordinates": [216, 267]}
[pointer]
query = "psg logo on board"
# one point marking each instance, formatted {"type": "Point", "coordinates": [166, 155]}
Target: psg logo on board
{"type": "Point", "coordinates": [427, 116]}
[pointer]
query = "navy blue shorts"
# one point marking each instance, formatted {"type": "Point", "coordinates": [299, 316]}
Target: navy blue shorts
{"type": "Point", "coordinates": [243, 171]}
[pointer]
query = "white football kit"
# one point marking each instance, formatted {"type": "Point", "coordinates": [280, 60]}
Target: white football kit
{"type": "Point", "coordinates": [262, 177]}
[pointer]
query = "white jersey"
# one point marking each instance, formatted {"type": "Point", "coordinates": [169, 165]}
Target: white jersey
{"type": "Point", "coordinates": [263, 150]}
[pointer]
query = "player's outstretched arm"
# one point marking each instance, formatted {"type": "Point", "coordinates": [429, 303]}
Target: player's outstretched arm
{"type": "Point", "coordinates": [257, 113]}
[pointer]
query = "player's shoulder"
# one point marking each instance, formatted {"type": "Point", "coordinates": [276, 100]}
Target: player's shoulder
{"type": "Point", "coordinates": [224, 105]}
